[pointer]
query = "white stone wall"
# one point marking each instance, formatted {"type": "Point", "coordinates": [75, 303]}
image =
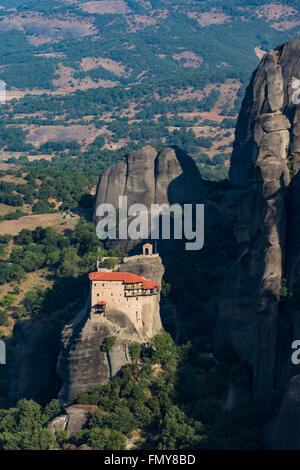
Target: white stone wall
{"type": "Point", "coordinates": [113, 292]}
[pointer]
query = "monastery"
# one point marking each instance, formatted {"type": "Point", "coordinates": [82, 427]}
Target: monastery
{"type": "Point", "coordinates": [134, 295]}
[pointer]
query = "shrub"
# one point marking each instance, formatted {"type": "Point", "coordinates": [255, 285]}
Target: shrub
{"type": "Point", "coordinates": [3, 318]}
{"type": "Point", "coordinates": [62, 437]}
{"type": "Point", "coordinates": [110, 263]}
{"type": "Point", "coordinates": [163, 345]}
{"type": "Point", "coordinates": [108, 343]}
{"type": "Point", "coordinates": [21, 312]}
{"type": "Point", "coordinates": [135, 351]}
{"type": "Point", "coordinates": [8, 300]}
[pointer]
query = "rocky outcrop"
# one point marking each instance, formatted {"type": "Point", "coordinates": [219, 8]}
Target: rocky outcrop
{"type": "Point", "coordinates": [249, 301]}
{"type": "Point", "coordinates": [148, 176]}
{"type": "Point", "coordinates": [249, 304]}
{"type": "Point", "coordinates": [150, 267]}
{"type": "Point", "coordinates": [82, 363]}
{"type": "Point", "coordinates": [50, 359]}
{"type": "Point", "coordinates": [255, 316]}
{"type": "Point", "coordinates": [75, 418]}
{"type": "Point", "coordinates": [33, 370]}
{"type": "Point", "coordinates": [283, 430]}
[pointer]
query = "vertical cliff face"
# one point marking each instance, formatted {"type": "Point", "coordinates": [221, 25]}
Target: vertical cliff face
{"type": "Point", "coordinates": [33, 371]}
{"type": "Point", "coordinates": [148, 177]}
{"type": "Point", "coordinates": [249, 303]}
{"type": "Point", "coordinates": [283, 430]}
{"type": "Point", "coordinates": [253, 316]}
{"type": "Point", "coordinates": [262, 127]}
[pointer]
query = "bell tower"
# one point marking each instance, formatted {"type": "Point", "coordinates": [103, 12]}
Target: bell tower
{"type": "Point", "coordinates": [147, 249]}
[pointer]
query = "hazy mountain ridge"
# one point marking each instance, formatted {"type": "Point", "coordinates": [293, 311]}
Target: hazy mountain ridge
{"type": "Point", "coordinates": [138, 76]}
{"type": "Point", "coordinates": [123, 31]}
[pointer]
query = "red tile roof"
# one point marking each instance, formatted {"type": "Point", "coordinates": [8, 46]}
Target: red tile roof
{"type": "Point", "coordinates": [147, 284]}
{"type": "Point", "coordinates": [102, 302]}
{"type": "Point", "coordinates": [127, 278]}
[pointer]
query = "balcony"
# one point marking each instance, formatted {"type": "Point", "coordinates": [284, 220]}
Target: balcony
{"type": "Point", "coordinates": [133, 286]}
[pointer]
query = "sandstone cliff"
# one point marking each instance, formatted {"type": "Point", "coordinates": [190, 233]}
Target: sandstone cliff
{"type": "Point", "coordinates": [253, 316]}
{"type": "Point", "coordinates": [148, 177]}
{"type": "Point", "coordinates": [33, 373]}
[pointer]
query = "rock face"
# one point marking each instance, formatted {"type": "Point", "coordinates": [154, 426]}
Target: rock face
{"type": "Point", "coordinates": [33, 373]}
{"type": "Point", "coordinates": [255, 315]}
{"type": "Point", "coordinates": [74, 420]}
{"type": "Point", "coordinates": [51, 360]}
{"type": "Point", "coordinates": [81, 362]}
{"type": "Point", "coordinates": [263, 125]}
{"type": "Point", "coordinates": [150, 177]}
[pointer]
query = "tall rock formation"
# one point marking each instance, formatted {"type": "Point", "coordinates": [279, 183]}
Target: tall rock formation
{"type": "Point", "coordinates": [263, 127]}
{"type": "Point", "coordinates": [148, 176]}
{"type": "Point", "coordinates": [33, 370]}
{"type": "Point", "coordinates": [255, 315]}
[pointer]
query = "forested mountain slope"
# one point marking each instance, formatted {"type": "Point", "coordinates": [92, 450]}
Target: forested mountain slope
{"type": "Point", "coordinates": [83, 76]}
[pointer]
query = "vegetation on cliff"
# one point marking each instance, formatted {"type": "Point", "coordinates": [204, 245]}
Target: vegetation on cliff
{"type": "Point", "coordinates": [172, 398]}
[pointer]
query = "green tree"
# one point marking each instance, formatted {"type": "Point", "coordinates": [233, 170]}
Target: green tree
{"type": "Point", "coordinates": [62, 437]}
{"type": "Point", "coordinates": [21, 428]}
{"type": "Point", "coordinates": [8, 300]}
{"type": "Point", "coordinates": [69, 262]}
{"type": "Point", "coordinates": [107, 439]}
{"type": "Point", "coordinates": [134, 351]}
{"type": "Point", "coordinates": [178, 432]}
{"type": "Point", "coordinates": [52, 409]}
{"type": "Point", "coordinates": [110, 263]}
{"type": "Point", "coordinates": [3, 318]}
{"type": "Point", "coordinates": [21, 312]}
{"type": "Point", "coordinates": [33, 301]}
{"type": "Point", "coordinates": [108, 343]}
{"type": "Point", "coordinates": [163, 346]}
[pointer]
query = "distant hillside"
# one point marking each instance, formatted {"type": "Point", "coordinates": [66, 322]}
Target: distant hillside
{"type": "Point", "coordinates": [165, 72]}
{"type": "Point", "coordinates": [125, 41]}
